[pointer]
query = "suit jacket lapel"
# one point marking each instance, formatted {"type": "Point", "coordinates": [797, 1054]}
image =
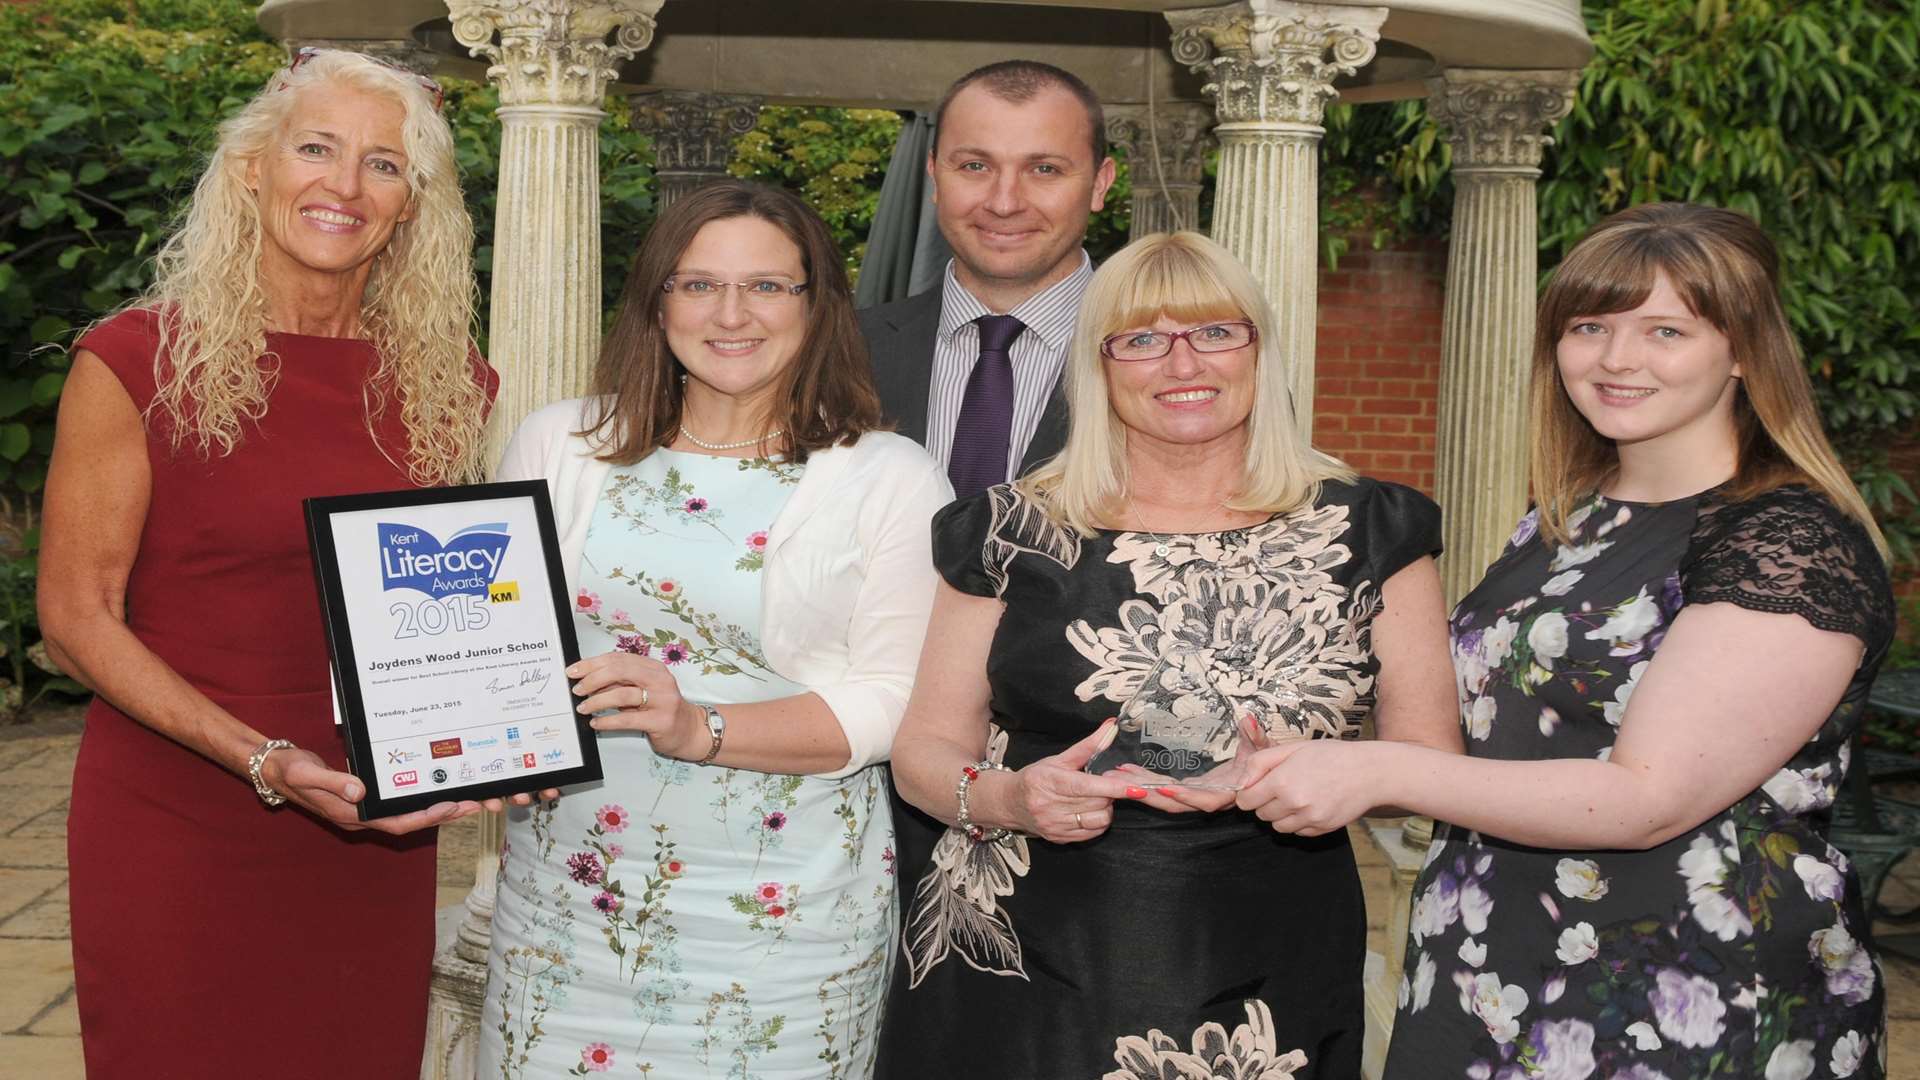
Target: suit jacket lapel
{"type": "Point", "coordinates": [1051, 436]}
{"type": "Point", "coordinates": [903, 364]}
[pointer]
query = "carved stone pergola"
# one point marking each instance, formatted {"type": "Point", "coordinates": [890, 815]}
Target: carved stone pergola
{"type": "Point", "coordinates": [693, 136]}
{"type": "Point", "coordinates": [1166, 148]}
{"type": "Point", "coordinates": [1497, 73]}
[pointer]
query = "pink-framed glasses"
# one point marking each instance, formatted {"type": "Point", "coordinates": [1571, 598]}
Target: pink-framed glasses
{"type": "Point", "coordinates": [1136, 345]}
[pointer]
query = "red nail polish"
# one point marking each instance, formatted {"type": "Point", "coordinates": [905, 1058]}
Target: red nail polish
{"type": "Point", "coordinates": [1168, 792]}
{"type": "Point", "coordinates": [1136, 793]}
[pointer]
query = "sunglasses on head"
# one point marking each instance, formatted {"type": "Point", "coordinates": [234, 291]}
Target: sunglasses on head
{"type": "Point", "coordinates": [308, 52]}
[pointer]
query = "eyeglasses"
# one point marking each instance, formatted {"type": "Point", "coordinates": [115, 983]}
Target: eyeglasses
{"type": "Point", "coordinates": [1154, 344]}
{"type": "Point", "coordinates": [759, 291]}
{"type": "Point", "coordinates": [307, 52]}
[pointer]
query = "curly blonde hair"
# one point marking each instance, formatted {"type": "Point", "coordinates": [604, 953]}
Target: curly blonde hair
{"type": "Point", "coordinates": [213, 370]}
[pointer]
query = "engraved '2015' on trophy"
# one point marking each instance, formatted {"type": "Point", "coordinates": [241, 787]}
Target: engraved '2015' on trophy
{"type": "Point", "coordinates": [1178, 728]}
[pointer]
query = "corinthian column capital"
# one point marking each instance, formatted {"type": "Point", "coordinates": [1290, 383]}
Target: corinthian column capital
{"type": "Point", "coordinates": [1497, 121]}
{"type": "Point", "coordinates": [1172, 139]}
{"type": "Point", "coordinates": [1166, 147]}
{"type": "Point", "coordinates": [553, 52]}
{"type": "Point", "coordinates": [1275, 60]}
{"type": "Point", "coordinates": [693, 135]}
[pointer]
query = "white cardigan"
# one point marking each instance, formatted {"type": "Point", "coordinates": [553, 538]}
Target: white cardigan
{"type": "Point", "coordinates": [848, 582]}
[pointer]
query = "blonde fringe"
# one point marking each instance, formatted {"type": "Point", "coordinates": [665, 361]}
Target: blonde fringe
{"type": "Point", "coordinates": [213, 372]}
{"type": "Point", "coordinates": [1190, 278]}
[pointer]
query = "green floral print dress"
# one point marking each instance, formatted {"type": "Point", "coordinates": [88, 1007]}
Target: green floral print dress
{"type": "Point", "coordinates": [675, 921]}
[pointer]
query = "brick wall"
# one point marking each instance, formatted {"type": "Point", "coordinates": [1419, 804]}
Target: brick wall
{"type": "Point", "coordinates": [1376, 378]}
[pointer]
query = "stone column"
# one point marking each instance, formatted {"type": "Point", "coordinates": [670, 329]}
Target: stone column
{"type": "Point", "coordinates": [552, 60]}
{"type": "Point", "coordinates": [693, 135]}
{"type": "Point", "coordinates": [1166, 149]}
{"type": "Point", "coordinates": [1270, 66]}
{"type": "Point", "coordinates": [1496, 122]}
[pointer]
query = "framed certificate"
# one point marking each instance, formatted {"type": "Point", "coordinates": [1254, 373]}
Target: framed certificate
{"type": "Point", "coordinates": [450, 635]}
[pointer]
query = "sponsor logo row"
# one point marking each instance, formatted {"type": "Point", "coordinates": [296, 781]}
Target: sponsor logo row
{"type": "Point", "coordinates": [468, 772]}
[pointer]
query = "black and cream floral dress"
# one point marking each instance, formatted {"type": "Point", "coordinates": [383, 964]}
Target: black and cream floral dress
{"type": "Point", "coordinates": [1733, 950]}
{"type": "Point", "coordinates": [1189, 945]}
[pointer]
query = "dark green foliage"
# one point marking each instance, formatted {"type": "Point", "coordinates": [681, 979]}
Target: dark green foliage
{"type": "Point", "coordinates": [835, 159]}
{"type": "Point", "coordinates": [104, 124]}
{"type": "Point", "coordinates": [1801, 114]}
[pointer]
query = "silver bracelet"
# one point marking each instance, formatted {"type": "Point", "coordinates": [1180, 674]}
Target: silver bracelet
{"type": "Point", "coordinates": [259, 760]}
{"type": "Point", "coordinates": [964, 820]}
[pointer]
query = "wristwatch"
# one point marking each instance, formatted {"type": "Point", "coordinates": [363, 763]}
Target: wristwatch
{"type": "Point", "coordinates": [716, 730]}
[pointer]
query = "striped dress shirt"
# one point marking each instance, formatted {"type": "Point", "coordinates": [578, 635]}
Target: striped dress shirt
{"type": "Point", "coordinates": [1039, 355]}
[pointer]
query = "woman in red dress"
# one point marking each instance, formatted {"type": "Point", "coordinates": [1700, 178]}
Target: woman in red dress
{"type": "Point", "coordinates": [307, 334]}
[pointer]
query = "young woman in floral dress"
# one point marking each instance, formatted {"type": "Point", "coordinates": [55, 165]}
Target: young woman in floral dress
{"type": "Point", "coordinates": [752, 576]}
{"type": "Point", "coordinates": [1658, 680]}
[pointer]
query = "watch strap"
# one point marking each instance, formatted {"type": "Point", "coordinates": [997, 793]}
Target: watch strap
{"type": "Point", "coordinates": [716, 730]}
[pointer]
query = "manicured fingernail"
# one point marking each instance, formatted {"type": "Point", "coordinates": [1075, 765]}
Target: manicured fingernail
{"type": "Point", "coordinates": [1169, 792]}
{"type": "Point", "coordinates": [572, 672]}
{"type": "Point", "coordinates": [353, 792]}
{"type": "Point", "coordinates": [1106, 740]}
{"type": "Point", "coordinates": [1137, 792]}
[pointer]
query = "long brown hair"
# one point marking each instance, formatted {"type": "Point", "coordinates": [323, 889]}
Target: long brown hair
{"type": "Point", "coordinates": [1728, 273]}
{"type": "Point", "coordinates": [827, 388]}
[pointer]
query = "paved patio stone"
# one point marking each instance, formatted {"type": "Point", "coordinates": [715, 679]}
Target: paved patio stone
{"type": "Point", "coordinates": [21, 889]}
{"type": "Point", "coordinates": [41, 1057]}
{"type": "Point", "coordinates": [40, 975]}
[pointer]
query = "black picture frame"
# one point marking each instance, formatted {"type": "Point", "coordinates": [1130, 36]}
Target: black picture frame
{"type": "Point", "coordinates": [343, 654]}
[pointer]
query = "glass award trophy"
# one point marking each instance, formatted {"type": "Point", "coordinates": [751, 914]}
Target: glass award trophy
{"type": "Point", "coordinates": [1179, 729]}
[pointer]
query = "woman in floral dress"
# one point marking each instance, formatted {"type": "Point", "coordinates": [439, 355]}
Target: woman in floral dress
{"type": "Point", "coordinates": [1072, 924]}
{"type": "Point", "coordinates": [1658, 680]}
{"type": "Point", "coordinates": [752, 579]}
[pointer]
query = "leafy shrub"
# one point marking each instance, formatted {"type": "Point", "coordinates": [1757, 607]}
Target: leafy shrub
{"type": "Point", "coordinates": [1798, 113]}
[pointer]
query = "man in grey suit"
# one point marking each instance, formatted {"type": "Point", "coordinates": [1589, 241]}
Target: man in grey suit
{"type": "Point", "coordinates": [972, 369]}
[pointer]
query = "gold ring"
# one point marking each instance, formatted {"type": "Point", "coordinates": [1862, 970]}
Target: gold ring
{"type": "Point", "coordinates": [643, 697]}
{"type": "Point", "coordinates": [1077, 823]}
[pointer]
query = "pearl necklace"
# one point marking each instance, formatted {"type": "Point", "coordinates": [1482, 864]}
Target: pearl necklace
{"type": "Point", "coordinates": [741, 445]}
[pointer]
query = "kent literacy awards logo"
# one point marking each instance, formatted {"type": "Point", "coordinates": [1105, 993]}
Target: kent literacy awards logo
{"type": "Point", "coordinates": [468, 562]}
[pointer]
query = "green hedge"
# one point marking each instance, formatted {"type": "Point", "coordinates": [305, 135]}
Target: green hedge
{"type": "Point", "coordinates": [1801, 114]}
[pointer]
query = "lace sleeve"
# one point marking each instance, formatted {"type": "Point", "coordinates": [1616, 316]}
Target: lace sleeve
{"type": "Point", "coordinates": [1791, 552]}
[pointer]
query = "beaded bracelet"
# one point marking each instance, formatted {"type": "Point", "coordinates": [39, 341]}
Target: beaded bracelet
{"type": "Point", "coordinates": [968, 774]}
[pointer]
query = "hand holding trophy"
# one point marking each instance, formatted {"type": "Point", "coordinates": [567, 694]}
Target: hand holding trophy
{"type": "Point", "coordinates": [1179, 729]}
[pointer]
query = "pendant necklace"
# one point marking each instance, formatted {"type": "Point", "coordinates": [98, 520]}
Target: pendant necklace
{"type": "Point", "coordinates": [1162, 545]}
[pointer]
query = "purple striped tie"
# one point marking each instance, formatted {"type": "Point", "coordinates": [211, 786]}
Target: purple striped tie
{"type": "Point", "coordinates": [984, 430]}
